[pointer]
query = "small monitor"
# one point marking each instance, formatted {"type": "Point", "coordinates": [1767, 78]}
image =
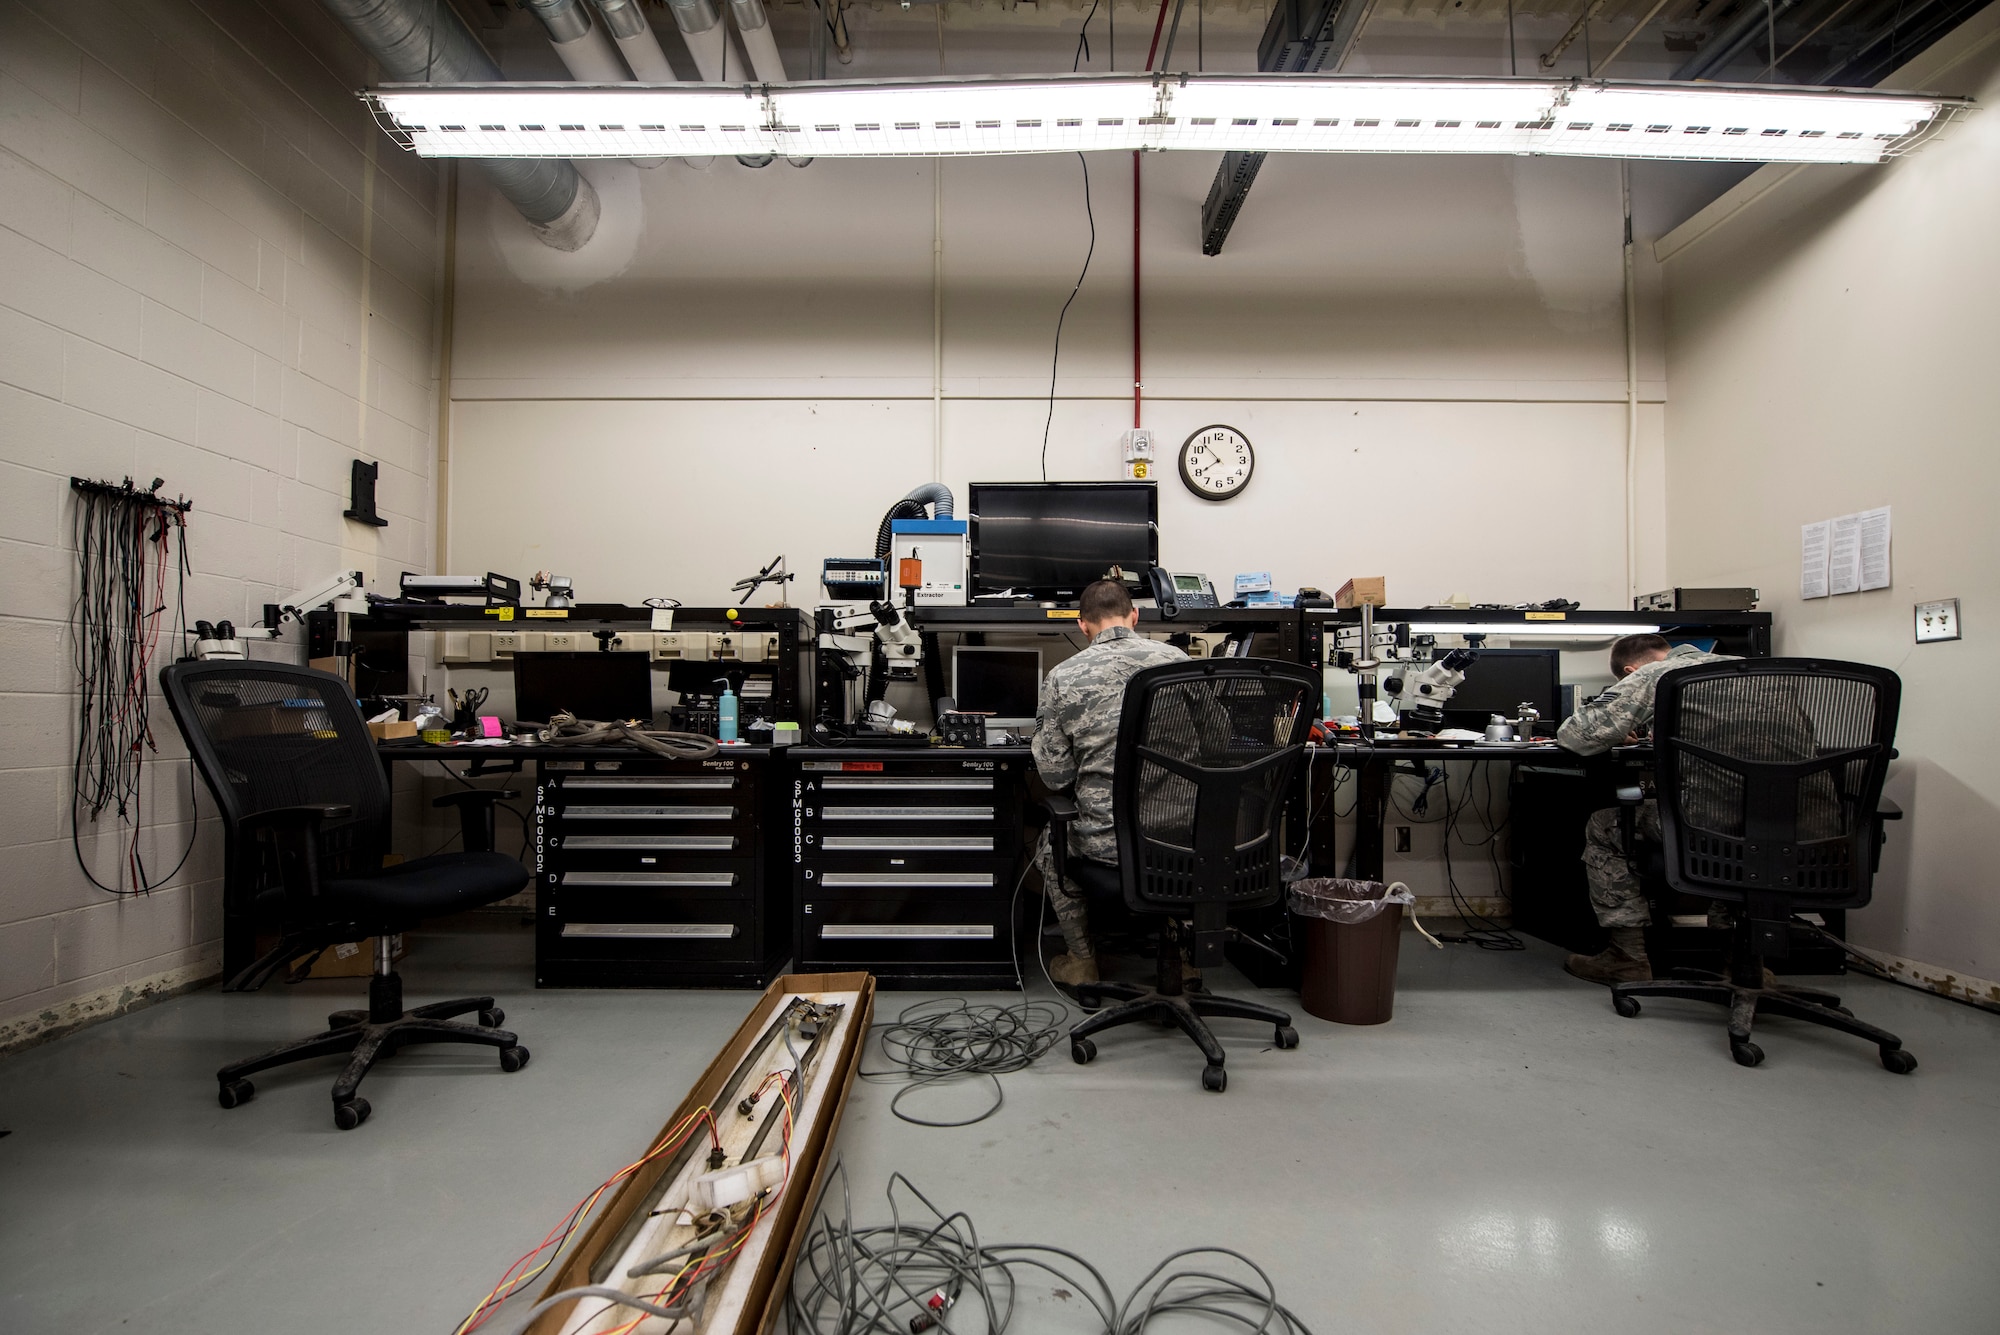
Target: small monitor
{"type": "Point", "coordinates": [1501, 680]}
{"type": "Point", "coordinates": [1005, 683]}
{"type": "Point", "coordinates": [599, 687]}
{"type": "Point", "coordinates": [1049, 539]}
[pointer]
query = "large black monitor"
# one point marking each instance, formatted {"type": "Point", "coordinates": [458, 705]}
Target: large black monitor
{"type": "Point", "coordinates": [1049, 539]}
{"type": "Point", "coordinates": [1500, 681]}
{"type": "Point", "coordinates": [1005, 683]}
{"type": "Point", "coordinates": [599, 687]}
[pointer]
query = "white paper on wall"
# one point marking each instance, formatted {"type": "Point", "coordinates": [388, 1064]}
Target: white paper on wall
{"type": "Point", "coordinates": [1843, 557]}
{"type": "Point", "coordinates": [1812, 559]}
{"type": "Point", "coordinates": [1875, 548]}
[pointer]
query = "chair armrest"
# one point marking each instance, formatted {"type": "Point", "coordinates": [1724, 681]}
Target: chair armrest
{"type": "Point", "coordinates": [1887, 810]}
{"type": "Point", "coordinates": [295, 831]}
{"type": "Point", "coordinates": [1062, 810]}
{"type": "Point", "coordinates": [466, 797]}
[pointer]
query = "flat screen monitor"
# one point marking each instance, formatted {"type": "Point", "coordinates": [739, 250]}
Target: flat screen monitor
{"type": "Point", "coordinates": [1049, 539]}
{"type": "Point", "coordinates": [600, 687]}
{"type": "Point", "coordinates": [1500, 681]}
{"type": "Point", "coordinates": [1005, 683]}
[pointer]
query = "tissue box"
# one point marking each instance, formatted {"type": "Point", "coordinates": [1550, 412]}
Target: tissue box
{"type": "Point", "coordinates": [390, 731]}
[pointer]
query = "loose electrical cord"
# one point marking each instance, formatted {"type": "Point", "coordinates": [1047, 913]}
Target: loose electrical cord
{"type": "Point", "coordinates": [1055, 354]}
{"type": "Point", "coordinates": [910, 1274]}
{"type": "Point", "coordinates": [125, 540]}
{"type": "Point", "coordinates": [946, 1040]}
{"type": "Point", "coordinates": [566, 729]}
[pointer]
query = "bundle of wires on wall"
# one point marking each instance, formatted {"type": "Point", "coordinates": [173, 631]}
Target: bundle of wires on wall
{"type": "Point", "coordinates": [1480, 930]}
{"type": "Point", "coordinates": [131, 552]}
{"type": "Point", "coordinates": [927, 1269]}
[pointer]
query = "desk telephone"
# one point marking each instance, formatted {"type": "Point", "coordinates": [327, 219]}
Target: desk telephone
{"type": "Point", "coordinates": [1172, 592]}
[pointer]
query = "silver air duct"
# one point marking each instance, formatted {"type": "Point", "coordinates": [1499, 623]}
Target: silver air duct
{"type": "Point", "coordinates": [581, 45]}
{"type": "Point", "coordinates": [753, 25]}
{"type": "Point", "coordinates": [707, 40]}
{"type": "Point", "coordinates": [416, 41]}
{"type": "Point", "coordinates": [628, 27]}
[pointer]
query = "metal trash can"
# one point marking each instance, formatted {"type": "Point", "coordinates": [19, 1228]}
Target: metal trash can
{"type": "Point", "coordinates": [1351, 930]}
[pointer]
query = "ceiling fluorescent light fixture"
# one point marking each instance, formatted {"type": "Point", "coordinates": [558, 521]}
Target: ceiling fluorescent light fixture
{"type": "Point", "coordinates": [1288, 113]}
{"type": "Point", "coordinates": [1568, 630]}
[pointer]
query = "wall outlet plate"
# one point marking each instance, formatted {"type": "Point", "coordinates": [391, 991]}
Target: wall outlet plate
{"type": "Point", "coordinates": [1937, 621]}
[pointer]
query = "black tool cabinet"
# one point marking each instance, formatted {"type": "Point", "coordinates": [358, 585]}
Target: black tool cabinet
{"type": "Point", "coordinates": [905, 861]}
{"type": "Point", "coordinates": [652, 872]}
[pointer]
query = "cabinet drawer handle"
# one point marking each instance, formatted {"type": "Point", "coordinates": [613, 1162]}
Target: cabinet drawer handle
{"type": "Point", "coordinates": [706, 931]}
{"type": "Point", "coordinates": [941, 931]}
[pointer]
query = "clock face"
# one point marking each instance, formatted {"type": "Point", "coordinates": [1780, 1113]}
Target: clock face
{"type": "Point", "coordinates": [1216, 462]}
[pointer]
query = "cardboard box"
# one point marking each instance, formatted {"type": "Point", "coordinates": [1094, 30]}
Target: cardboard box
{"type": "Point", "coordinates": [1363, 590]}
{"type": "Point", "coordinates": [393, 729]}
{"type": "Point", "coordinates": [810, 1158]}
{"type": "Point", "coordinates": [356, 959]}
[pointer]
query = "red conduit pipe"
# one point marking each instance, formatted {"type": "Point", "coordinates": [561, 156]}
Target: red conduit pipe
{"type": "Point", "coordinates": [1138, 381]}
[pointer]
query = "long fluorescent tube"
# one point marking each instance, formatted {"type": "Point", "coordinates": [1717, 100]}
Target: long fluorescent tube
{"type": "Point", "coordinates": [1288, 113]}
{"type": "Point", "coordinates": [1568, 630]}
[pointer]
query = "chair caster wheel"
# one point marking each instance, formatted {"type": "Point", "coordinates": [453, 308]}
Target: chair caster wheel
{"type": "Point", "coordinates": [351, 1114]}
{"type": "Point", "coordinates": [494, 1018]}
{"type": "Point", "coordinates": [513, 1059]}
{"type": "Point", "coordinates": [1844, 1011]}
{"type": "Point", "coordinates": [1287, 1037]}
{"type": "Point", "coordinates": [1746, 1054]}
{"type": "Point", "coordinates": [1897, 1060]}
{"type": "Point", "coordinates": [1082, 1051]}
{"type": "Point", "coordinates": [1089, 1004]}
{"type": "Point", "coordinates": [1214, 1079]}
{"type": "Point", "coordinates": [236, 1093]}
{"type": "Point", "coordinates": [1625, 1006]}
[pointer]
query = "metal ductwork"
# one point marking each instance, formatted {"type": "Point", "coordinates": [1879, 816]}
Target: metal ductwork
{"type": "Point", "coordinates": [581, 45]}
{"type": "Point", "coordinates": [707, 40]}
{"type": "Point", "coordinates": [418, 41]}
{"type": "Point", "coordinates": [753, 25]}
{"type": "Point", "coordinates": [627, 24]}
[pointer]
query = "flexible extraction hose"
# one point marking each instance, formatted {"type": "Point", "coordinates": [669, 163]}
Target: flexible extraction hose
{"type": "Point", "coordinates": [566, 729]}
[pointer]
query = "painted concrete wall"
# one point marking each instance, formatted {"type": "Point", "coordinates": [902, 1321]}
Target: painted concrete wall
{"type": "Point", "coordinates": [1831, 348]}
{"type": "Point", "coordinates": [211, 272]}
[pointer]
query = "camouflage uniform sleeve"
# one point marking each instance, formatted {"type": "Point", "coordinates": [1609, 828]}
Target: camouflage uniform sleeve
{"type": "Point", "coordinates": [1055, 758]}
{"type": "Point", "coordinates": [1597, 727]}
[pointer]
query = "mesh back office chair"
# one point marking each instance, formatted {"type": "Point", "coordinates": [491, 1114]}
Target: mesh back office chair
{"type": "Point", "coordinates": [1207, 750]}
{"type": "Point", "coordinates": [306, 803]}
{"type": "Point", "coordinates": [1770, 773]}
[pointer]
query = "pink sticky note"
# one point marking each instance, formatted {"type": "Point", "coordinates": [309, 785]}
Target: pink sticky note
{"type": "Point", "coordinates": [489, 726]}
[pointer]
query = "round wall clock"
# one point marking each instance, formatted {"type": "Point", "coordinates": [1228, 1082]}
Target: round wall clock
{"type": "Point", "coordinates": [1216, 462]}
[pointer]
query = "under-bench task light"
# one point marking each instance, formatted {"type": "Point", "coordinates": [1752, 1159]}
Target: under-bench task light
{"type": "Point", "coordinates": [1288, 113]}
{"type": "Point", "coordinates": [1566, 630]}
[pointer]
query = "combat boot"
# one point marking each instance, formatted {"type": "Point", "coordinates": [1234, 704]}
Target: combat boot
{"type": "Point", "coordinates": [1066, 971]}
{"type": "Point", "coordinates": [1623, 961]}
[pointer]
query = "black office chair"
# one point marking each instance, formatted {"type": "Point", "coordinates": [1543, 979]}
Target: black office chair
{"type": "Point", "coordinates": [1207, 750]}
{"type": "Point", "coordinates": [1769, 774]}
{"type": "Point", "coordinates": [306, 804]}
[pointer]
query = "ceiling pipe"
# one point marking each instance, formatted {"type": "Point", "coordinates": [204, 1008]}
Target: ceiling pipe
{"type": "Point", "coordinates": [627, 24]}
{"type": "Point", "coordinates": [753, 25]}
{"type": "Point", "coordinates": [1754, 22]}
{"type": "Point", "coordinates": [584, 49]}
{"type": "Point", "coordinates": [580, 44]}
{"type": "Point", "coordinates": [707, 40]}
{"type": "Point", "coordinates": [415, 41]}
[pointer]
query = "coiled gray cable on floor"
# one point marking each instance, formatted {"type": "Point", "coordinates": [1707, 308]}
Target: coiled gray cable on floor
{"type": "Point", "coordinates": [566, 729]}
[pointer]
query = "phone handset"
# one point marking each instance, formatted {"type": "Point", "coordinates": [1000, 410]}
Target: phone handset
{"type": "Point", "coordinates": [1163, 593]}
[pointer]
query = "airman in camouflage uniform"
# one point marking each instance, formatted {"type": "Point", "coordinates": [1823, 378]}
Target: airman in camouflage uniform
{"type": "Point", "coordinates": [1076, 736]}
{"type": "Point", "coordinates": [1639, 661]}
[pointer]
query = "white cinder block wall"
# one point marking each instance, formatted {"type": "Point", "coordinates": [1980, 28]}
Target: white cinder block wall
{"type": "Point", "coordinates": [212, 271]}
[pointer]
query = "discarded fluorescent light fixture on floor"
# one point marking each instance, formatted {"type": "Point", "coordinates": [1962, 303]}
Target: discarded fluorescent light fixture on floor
{"type": "Point", "coordinates": [1287, 113]}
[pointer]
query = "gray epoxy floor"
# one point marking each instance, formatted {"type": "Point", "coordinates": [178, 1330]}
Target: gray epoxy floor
{"type": "Point", "coordinates": [1507, 1155]}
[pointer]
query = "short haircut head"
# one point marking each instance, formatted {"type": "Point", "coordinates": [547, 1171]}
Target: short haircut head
{"type": "Point", "coordinates": [1104, 600]}
{"type": "Point", "coordinates": [1629, 651]}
